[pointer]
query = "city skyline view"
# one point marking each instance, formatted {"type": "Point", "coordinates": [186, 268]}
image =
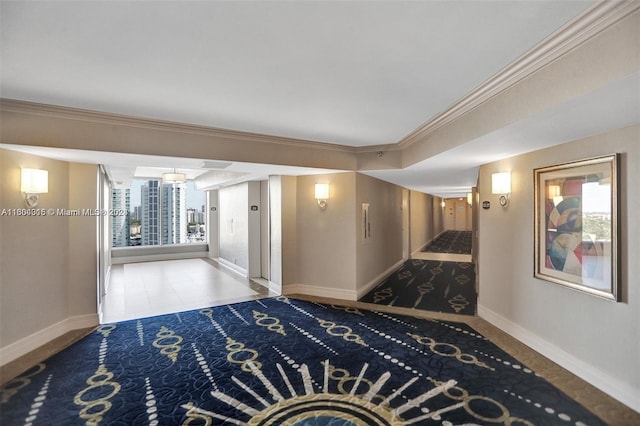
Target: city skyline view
{"type": "Point", "coordinates": [158, 214]}
{"type": "Point", "coordinates": [195, 198]}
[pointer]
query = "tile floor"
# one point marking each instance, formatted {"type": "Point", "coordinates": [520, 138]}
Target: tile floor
{"type": "Point", "coordinates": [447, 257]}
{"type": "Point", "coordinates": [138, 290]}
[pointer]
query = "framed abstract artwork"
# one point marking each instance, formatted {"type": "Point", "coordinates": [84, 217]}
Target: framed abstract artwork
{"type": "Point", "coordinates": [576, 225]}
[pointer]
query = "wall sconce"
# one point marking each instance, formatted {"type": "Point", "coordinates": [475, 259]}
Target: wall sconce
{"type": "Point", "coordinates": [501, 185]}
{"type": "Point", "coordinates": [469, 198]}
{"type": "Point", "coordinates": [322, 194]}
{"type": "Point", "coordinates": [33, 182]}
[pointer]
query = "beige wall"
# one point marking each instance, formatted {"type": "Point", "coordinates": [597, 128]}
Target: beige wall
{"type": "Point", "coordinates": [438, 216]}
{"type": "Point", "coordinates": [332, 257]}
{"type": "Point", "coordinates": [83, 240]}
{"type": "Point", "coordinates": [326, 239]}
{"type": "Point", "coordinates": [383, 247]}
{"type": "Point", "coordinates": [422, 220]}
{"type": "Point", "coordinates": [48, 263]}
{"type": "Point", "coordinates": [595, 338]}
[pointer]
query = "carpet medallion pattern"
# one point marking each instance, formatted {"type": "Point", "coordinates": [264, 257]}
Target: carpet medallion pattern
{"type": "Point", "coordinates": [456, 242]}
{"type": "Point", "coordinates": [429, 285]}
{"type": "Point", "coordinates": [281, 361]}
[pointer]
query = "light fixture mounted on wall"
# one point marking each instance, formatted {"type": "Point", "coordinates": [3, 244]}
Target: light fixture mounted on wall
{"type": "Point", "coordinates": [174, 177]}
{"type": "Point", "coordinates": [501, 185]}
{"type": "Point", "coordinates": [33, 182]}
{"type": "Point", "coordinates": [322, 194]}
{"type": "Point", "coordinates": [469, 198]}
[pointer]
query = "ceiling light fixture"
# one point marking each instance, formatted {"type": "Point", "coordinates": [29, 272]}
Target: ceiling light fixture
{"type": "Point", "coordinates": [174, 177]}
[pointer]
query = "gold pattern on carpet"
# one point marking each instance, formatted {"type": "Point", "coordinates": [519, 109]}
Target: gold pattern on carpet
{"type": "Point", "coordinates": [438, 348]}
{"type": "Point", "coordinates": [239, 354]}
{"type": "Point", "coordinates": [458, 303]}
{"type": "Point", "coordinates": [271, 323]}
{"type": "Point", "coordinates": [94, 409]}
{"type": "Point", "coordinates": [168, 342]}
{"type": "Point", "coordinates": [343, 331]}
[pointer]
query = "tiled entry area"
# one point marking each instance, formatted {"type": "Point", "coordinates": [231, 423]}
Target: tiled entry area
{"type": "Point", "coordinates": [138, 290]}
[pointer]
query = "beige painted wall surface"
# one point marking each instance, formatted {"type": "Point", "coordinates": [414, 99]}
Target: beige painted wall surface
{"type": "Point", "coordinates": [283, 255]}
{"type": "Point", "coordinates": [598, 336]}
{"type": "Point", "coordinates": [34, 264]}
{"type": "Point", "coordinates": [383, 247]}
{"type": "Point", "coordinates": [83, 240]}
{"type": "Point", "coordinates": [326, 239]}
{"type": "Point", "coordinates": [421, 220]}
{"type": "Point", "coordinates": [438, 216]}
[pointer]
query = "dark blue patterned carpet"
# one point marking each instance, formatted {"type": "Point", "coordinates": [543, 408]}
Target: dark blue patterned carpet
{"type": "Point", "coordinates": [429, 285]}
{"type": "Point", "coordinates": [455, 242]}
{"type": "Point", "coordinates": [282, 361]}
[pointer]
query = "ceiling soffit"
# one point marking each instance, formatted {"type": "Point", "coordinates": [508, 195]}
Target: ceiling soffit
{"type": "Point", "coordinates": [586, 25]}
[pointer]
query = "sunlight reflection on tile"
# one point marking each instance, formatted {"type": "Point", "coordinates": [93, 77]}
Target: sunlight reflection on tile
{"type": "Point", "coordinates": [138, 290]}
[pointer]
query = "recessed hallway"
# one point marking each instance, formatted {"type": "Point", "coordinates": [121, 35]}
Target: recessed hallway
{"type": "Point", "coordinates": [138, 290]}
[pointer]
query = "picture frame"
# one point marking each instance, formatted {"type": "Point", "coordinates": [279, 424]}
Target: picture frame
{"type": "Point", "coordinates": [576, 225]}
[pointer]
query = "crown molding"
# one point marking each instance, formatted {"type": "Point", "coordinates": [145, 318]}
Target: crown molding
{"type": "Point", "coordinates": [577, 31]}
{"type": "Point", "coordinates": [55, 111]}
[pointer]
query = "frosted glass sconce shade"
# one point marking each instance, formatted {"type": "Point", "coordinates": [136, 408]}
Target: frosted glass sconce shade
{"type": "Point", "coordinates": [33, 182]}
{"type": "Point", "coordinates": [322, 194]}
{"type": "Point", "coordinates": [501, 185]}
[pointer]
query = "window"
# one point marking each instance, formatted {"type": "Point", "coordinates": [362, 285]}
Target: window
{"type": "Point", "coordinates": [159, 214]}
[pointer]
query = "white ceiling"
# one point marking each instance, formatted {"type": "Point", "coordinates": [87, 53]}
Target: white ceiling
{"type": "Point", "coordinates": [347, 73]}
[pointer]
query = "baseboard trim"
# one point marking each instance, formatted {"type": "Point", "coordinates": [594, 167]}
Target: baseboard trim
{"type": "Point", "coordinates": [34, 341]}
{"type": "Point", "coordinates": [232, 267]}
{"type": "Point", "coordinates": [156, 257]}
{"type": "Point", "coordinates": [421, 249]}
{"type": "Point", "coordinates": [425, 245]}
{"type": "Point", "coordinates": [275, 287]}
{"type": "Point", "coordinates": [380, 278]}
{"type": "Point", "coordinates": [311, 290]}
{"type": "Point", "coordinates": [603, 381]}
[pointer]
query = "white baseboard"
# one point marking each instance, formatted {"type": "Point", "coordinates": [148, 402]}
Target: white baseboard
{"type": "Point", "coordinates": [310, 290]}
{"type": "Point", "coordinates": [156, 257]}
{"type": "Point", "coordinates": [377, 280]}
{"type": "Point", "coordinates": [232, 267]}
{"type": "Point", "coordinates": [421, 248]}
{"type": "Point", "coordinates": [34, 341]}
{"type": "Point", "coordinates": [612, 386]}
{"type": "Point", "coordinates": [274, 287]}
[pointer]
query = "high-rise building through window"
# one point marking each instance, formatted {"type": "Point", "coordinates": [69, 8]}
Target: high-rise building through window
{"type": "Point", "coordinates": [159, 214]}
{"type": "Point", "coordinates": [150, 221]}
{"type": "Point", "coordinates": [164, 213]}
{"type": "Point", "coordinates": [120, 232]}
{"type": "Point", "coordinates": [174, 213]}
